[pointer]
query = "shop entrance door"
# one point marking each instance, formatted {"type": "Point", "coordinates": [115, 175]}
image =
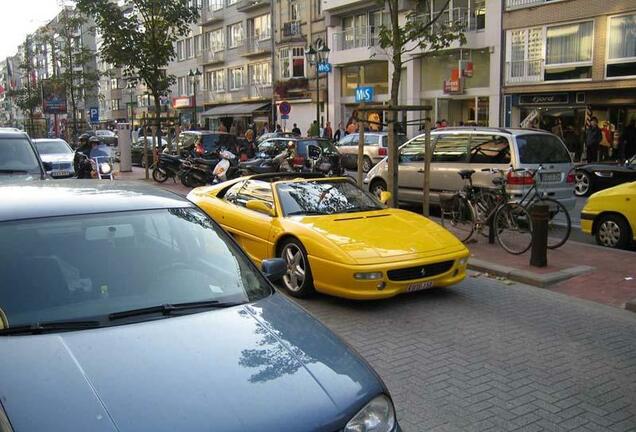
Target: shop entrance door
{"type": "Point", "coordinates": [456, 112]}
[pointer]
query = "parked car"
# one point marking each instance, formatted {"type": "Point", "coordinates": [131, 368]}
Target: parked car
{"type": "Point", "coordinates": [610, 216]}
{"type": "Point", "coordinates": [336, 238]}
{"type": "Point", "coordinates": [137, 150]}
{"type": "Point", "coordinates": [270, 135]}
{"type": "Point", "coordinates": [463, 148]}
{"type": "Point", "coordinates": [274, 146]}
{"type": "Point", "coordinates": [376, 145]}
{"type": "Point", "coordinates": [141, 314]}
{"type": "Point", "coordinates": [19, 160]}
{"type": "Point", "coordinates": [58, 156]}
{"type": "Point", "coordinates": [212, 141]}
{"type": "Point", "coordinates": [107, 137]}
{"type": "Point", "coordinates": [599, 176]}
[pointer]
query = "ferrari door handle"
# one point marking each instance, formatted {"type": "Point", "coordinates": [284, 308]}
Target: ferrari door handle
{"type": "Point", "coordinates": [421, 171]}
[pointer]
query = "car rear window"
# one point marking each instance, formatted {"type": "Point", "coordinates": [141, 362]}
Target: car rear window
{"type": "Point", "coordinates": [325, 146]}
{"type": "Point", "coordinates": [540, 149]}
{"type": "Point", "coordinates": [17, 156]}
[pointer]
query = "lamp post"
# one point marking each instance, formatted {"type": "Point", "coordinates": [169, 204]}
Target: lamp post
{"type": "Point", "coordinates": [194, 77]}
{"type": "Point", "coordinates": [316, 57]}
{"type": "Point", "coordinates": [131, 87]}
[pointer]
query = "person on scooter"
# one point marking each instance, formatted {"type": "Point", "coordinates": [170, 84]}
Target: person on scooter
{"type": "Point", "coordinates": [97, 148]}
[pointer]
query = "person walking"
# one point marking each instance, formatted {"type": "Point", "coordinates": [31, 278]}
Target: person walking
{"type": "Point", "coordinates": [328, 132]}
{"type": "Point", "coordinates": [314, 130]}
{"type": "Point", "coordinates": [557, 129]}
{"type": "Point", "coordinates": [593, 137]}
{"type": "Point", "coordinates": [339, 133]}
{"type": "Point", "coordinates": [296, 130]}
{"type": "Point", "coordinates": [629, 139]}
{"type": "Point", "coordinates": [222, 127]}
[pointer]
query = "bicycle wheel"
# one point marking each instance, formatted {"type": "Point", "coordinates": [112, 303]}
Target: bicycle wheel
{"type": "Point", "coordinates": [458, 217]}
{"type": "Point", "coordinates": [486, 201]}
{"type": "Point", "coordinates": [559, 224]}
{"type": "Point", "coordinates": [513, 228]}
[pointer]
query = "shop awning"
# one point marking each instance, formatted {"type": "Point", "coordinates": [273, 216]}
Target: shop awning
{"type": "Point", "coordinates": [235, 110]}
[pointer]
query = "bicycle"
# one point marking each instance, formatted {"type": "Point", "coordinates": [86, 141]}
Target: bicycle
{"type": "Point", "coordinates": [471, 209]}
{"type": "Point", "coordinates": [559, 224]}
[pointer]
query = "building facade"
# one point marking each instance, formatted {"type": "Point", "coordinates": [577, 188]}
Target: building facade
{"type": "Point", "coordinates": [566, 58]}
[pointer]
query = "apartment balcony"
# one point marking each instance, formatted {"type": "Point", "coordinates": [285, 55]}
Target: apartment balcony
{"type": "Point", "coordinates": [291, 30]}
{"type": "Point", "coordinates": [213, 13]}
{"type": "Point", "coordinates": [524, 71]}
{"type": "Point", "coordinates": [519, 4]}
{"type": "Point", "coordinates": [214, 55]}
{"type": "Point", "coordinates": [357, 44]}
{"type": "Point", "coordinates": [260, 91]}
{"type": "Point", "coordinates": [215, 97]}
{"type": "Point", "coordinates": [248, 5]}
{"type": "Point", "coordinates": [254, 46]}
{"type": "Point", "coordinates": [469, 19]}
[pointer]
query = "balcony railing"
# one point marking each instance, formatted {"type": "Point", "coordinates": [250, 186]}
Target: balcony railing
{"type": "Point", "coordinates": [356, 37]}
{"type": "Point", "coordinates": [216, 54]}
{"type": "Point", "coordinates": [291, 29]}
{"type": "Point", "coordinates": [516, 4]}
{"type": "Point", "coordinates": [257, 45]}
{"type": "Point", "coordinates": [212, 13]}
{"type": "Point", "coordinates": [469, 19]}
{"type": "Point", "coordinates": [524, 71]}
{"type": "Point", "coordinates": [246, 5]}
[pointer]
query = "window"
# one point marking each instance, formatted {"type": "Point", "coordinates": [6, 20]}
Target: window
{"type": "Point", "coordinates": [621, 46]}
{"type": "Point", "coordinates": [284, 62]}
{"type": "Point", "coordinates": [114, 104]}
{"type": "Point", "coordinates": [114, 84]}
{"type": "Point", "coordinates": [489, 149]}
{"type": "Point", "coordinates": [451, 148]}
{"type": "Point", "coordinates": [261, 74]}
{"type": "Point", "coordinates": [317, 8]}
{"type": "Point", "coordinates": [292, 62]}
{"type": "Point", "coordinates": [180, 51]}
{"type": "Point", "coordinates": [525, 48]}
{"type": "Point", "coordinates": [569, 51]}
{"type": "Point", "coordinates": [262, 27]}
{"type": "Point", "coordinates": [294, 11]}
{"type": "Point", "coordinates": [542, 149]}
{"type": "Point", "coordinates": [235, 35]}
{"type": "Point", "coordinates": [182, 86]}
{"type": "Point", "coordinates": [231, 2]}
{"type": "Point", "coordinates": [215, 40]}
{"type": "Point", "coordinates": [236, 78]}
{"type": "Point", "coordinates": [374, 74]}
{"type": "Point", "coordinates": [197, 45]}
{"type": "Point", "coordinates": [215, 80]}
{"type": "Point", "coordinates": [188, 48]}
{"type": "Point", "coordinates": [242, 192]}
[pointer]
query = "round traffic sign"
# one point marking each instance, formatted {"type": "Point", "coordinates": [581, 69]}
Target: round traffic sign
{"type": "Point", "coordinates": [284, 108]}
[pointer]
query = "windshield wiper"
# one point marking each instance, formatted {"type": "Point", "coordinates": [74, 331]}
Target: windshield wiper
{"type": "Point", "coordinates": [50, 327]}
{"type": "Point", "coordinates": [168, 309]}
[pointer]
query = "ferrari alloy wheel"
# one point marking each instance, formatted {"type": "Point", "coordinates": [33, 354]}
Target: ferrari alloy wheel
{"type": "Point", "coordinates": [613, 231]}
{"type": "Point", "coordinates": [298, 280]}
{"type": "Point", "coordinates": [583, 184]}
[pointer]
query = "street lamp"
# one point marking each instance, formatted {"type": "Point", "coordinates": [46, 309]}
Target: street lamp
{"type": "Point", "coordinates": [316, 58]}
{"type": "Point", "coordinates": [194, 77]}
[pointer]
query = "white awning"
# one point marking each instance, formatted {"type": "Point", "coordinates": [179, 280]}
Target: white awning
{"type": "Point", "coordinates": [235, 110]}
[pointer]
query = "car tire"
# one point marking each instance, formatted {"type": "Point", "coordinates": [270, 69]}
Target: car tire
{"type": "Point", "coordinates": [582, 184]}
{"type": "Point", "coordinates": [613, 231]}
{"type": "Point", "coordinates": [378, 186]}
{"type": "Point", "coordinates": [366, 164]}
{"type": "Point", "coordinates": [298, 281]}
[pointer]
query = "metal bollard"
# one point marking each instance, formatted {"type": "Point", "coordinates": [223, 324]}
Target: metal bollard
{"type": "Point", "coordinates": [540, 215]}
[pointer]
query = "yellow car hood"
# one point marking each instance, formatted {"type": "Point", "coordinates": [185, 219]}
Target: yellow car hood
{"type": "Point", "coordinates": [384, 236]}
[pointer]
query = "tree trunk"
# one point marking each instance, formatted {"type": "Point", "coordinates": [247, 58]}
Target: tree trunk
{"type": "Point", "coordinates": [157, 148]}
{"type": "Point", "coordinates": [393, 157]}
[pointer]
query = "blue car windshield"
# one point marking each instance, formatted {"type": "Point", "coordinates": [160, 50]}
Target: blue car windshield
{"type": "Point", "coordinates": [86, 267]}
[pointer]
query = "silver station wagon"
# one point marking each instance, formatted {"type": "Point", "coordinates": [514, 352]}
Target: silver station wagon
{"type": "Point", "coordinates": [462, 148]}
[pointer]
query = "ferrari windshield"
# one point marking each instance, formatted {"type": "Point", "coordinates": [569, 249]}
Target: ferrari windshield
{"type": "Point", "coordinates": [324, 197]}
{"type": "Point", "coordinates": [90, 266]}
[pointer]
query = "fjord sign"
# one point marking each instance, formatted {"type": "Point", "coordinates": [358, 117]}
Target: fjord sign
{"type": "Point", "coordinates": [365, 94]}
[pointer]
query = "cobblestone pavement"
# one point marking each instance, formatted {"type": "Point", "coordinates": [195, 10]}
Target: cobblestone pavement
{"type": "Point", "coordinates": [484, 356]}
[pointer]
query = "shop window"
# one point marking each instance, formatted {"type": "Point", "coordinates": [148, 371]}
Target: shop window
{"type": "Point", "coordinates": [451, 148]}
{"type": "Point", "coordinates": [489, 149]}
{"type": "Point", "coordinates": [621, 53]}
{"type": "Point", "coordinates": [374, 74]}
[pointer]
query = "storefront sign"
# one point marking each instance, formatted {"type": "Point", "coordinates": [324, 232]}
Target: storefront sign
{"type": "Point", "coordinates": [365, 94]}
{"type": "Point", "coordinates": [544, 99]}
{"type": "Point", "coordinates": [324, 67]}
{"type": "Point", "coordinates": [454, 86]}
{"type": "Point", "coordinates": [466, 68]}
{"type": "Point", "coordinates": [182, 102]}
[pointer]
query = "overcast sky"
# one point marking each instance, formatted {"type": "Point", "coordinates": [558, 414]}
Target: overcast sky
{"type": "Point", "coordinates": [20, 19]}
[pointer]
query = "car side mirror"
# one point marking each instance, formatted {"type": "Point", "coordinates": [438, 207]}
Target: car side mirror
{"type": "Point", "coordinates": [385, 197]}
{"type": "Point", "coordinates": [48, 166]}
{"type": "Point", "coordinates": [274, 269]}
{"type": "Point", "coordinates": [260, 206]}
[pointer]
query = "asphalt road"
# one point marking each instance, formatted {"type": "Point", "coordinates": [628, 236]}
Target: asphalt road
{"type": "Point", "coordinates": [484, 356]}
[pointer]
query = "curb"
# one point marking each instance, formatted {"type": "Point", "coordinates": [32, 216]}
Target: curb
{"type": "Point", "coordinates": [541, 280]}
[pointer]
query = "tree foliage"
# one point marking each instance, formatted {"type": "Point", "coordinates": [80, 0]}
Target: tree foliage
{"type": "Point", "coordinates": [140, 38]}
{"type": "Point", "coordinates": [27, 98]}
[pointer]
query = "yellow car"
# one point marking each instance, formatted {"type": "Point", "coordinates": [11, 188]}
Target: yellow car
{"type": "Point", "coordinates": [336, 238]}
{"type": "Point", "coordinates": [610, 215]}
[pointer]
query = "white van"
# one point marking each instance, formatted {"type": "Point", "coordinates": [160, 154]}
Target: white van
{"type": "Point", "coordinates": [461, 148]}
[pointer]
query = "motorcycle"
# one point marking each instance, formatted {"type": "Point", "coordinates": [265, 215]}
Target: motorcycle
{"type": "Point", "coordinates": [226, 168]}
{"type": "Point", "coordinates": [279, 163]}
{"type": "Point", "coordinates": [99, 167]}
{"type": "Point", "coordinates": [168, 166]}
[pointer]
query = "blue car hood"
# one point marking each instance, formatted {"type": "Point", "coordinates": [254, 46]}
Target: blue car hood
{"type": "Point", "coordinates": [265, 366]}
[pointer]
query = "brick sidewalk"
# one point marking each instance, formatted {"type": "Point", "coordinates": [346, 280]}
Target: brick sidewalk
{"type": "Point", "coordinates": [607, 280]}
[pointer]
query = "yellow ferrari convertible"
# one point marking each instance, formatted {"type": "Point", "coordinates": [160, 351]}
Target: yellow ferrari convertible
{"type": "Point", "coordinates": [336, 238]}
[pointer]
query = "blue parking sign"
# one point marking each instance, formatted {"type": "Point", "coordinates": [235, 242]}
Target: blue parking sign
{"type": "Point", "coordinates": [93, 114]}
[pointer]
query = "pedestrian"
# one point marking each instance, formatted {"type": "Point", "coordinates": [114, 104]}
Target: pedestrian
{"type": "Point", "coordinates": [328, 132]}
{"type": "Point", "coordinates": [233, 130]}
{"type": "Point", "coordinates": [606, 141]}
{"type": "Point", "coordinates": [279, 129]}
{"type": "Point", "coordinates": [352, 127]}
{"type": "Point", "coordinates": [314, 129]}
{"type": "Point", "coordinates": [222, 127]}
{"type": "Point", "coordinates": [571, 141]}
{"type": "Point", "coordinates": [443, 123]}
{"type": "Point", "coordinates": [296, 130]}
{"type": "Point", "coordinates": [629, 139]}
{"type": "Point", "coordinates": [438, 124]}
{"type": "Point", "coordinates": [593, 137]}
{"type": "Point", "coordinates": [248, 152]}
{"type": "Point", "coordinates": [339, 133]}
{"type": "Point", "coordinates": [557, 129]}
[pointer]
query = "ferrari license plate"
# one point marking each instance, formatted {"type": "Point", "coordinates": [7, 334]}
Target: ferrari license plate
{"type": "Point", "coordinates": [419, 286]}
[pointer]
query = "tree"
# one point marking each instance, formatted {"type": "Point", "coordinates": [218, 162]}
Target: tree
{"type": "Point", "coordinates": [140, 39]}
{"type": "Point", "coordinates": [27, 97]}
{"type": "Point", "coordinates": [73, 61]}
{"type": "Point", "coordinates": [416, 33]}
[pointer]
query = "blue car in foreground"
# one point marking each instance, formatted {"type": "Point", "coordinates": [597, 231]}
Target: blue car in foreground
{"type": "Point", "coordinates": [125, 308]}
